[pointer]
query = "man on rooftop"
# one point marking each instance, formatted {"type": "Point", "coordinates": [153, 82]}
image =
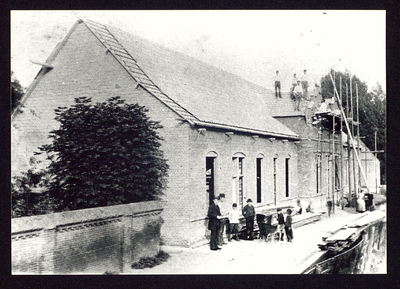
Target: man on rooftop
{"type": "Point", "coordinates": [278, 85]}
{"type": "Point", "coordinates": [304, 83]}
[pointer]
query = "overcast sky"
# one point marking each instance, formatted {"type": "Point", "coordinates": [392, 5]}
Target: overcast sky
{"type": "Point", "coordinates": [250, 43]}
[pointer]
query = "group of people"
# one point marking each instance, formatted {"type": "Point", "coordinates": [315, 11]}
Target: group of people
{"type": "Point", "coordinates": [299, 89]}
{"type": "Point", "coordinates": [220, 217]}
{"type": "Point", "coordinates": [285, 225]}
{"type": "Point", "coordinates": [298, 85]}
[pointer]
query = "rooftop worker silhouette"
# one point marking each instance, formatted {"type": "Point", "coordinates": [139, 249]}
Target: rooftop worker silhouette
{"type": "Point", "coordinates": [277, 84]}
{"type": "Point", "coordinates": [294, 83]}
{"type": "Point", "coordinates": [298, 95]}
{"type": "Point", "coordinates": [304, 83]}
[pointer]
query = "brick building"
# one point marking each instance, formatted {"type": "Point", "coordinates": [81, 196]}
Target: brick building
{"type": "Point", "coordinates": [219, 136]}
{"type": "Point", "coordinates": [219, 132]}
{"type": "Point", "coordinates": [324, 172]}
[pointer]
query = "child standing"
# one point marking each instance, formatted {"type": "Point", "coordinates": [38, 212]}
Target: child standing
{"type": "Point", "coordinates": [288, 226]}
{"type": "Point", "coordinates": [281, 224]}
{"type": "Point", "coordinates": [233, 217]}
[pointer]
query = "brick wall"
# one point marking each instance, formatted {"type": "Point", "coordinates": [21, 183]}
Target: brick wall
{"type": "Point", "coordinates": [83, 68]}
{"type": "Point", "coordinates": [307, 150]}
{"type": "Point", "coordinates": [225, 147]}
{"type": "Point", "coordinates": [86, 241]}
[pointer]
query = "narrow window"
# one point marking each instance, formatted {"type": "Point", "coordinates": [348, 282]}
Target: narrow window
{"type": "Point", "coordinates": [210, 178]}
{"type": "Point", "coordinates": [287, 176]}
{"type": "Point", "coordinates": [275, 181]}
{"type": "Point", "coordinates": [317, 174]}
{"type": "Point", "coordinates": [237, 180]}
{"type": "Point", "coordinates": [258, 179]}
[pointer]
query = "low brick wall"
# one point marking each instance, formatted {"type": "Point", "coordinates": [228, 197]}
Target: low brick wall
{"type": "Point", "coordinates": [86, 241]}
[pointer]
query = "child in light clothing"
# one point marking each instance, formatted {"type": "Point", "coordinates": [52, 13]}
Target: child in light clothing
{"type": "Point", "coordinates": [233, 217]}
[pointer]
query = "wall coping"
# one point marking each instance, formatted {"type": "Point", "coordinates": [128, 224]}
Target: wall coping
{"type": "Point", "coordinates": [53, 220]}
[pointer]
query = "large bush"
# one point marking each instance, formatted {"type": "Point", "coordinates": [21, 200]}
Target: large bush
{"type": "Point", "coordinates": [105, 154]}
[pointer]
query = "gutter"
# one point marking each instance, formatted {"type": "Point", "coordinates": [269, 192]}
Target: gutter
{"type": "Point", "coordinates": [240, 129]}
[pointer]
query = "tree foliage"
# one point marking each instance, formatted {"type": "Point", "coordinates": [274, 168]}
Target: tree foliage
{"type": "Point", "coordinates": [17, 91]}
{"type": "Point", "coordinates": [27, 193]}
{"type": "Point", "coordinates": [105, 154]}
{"type": "Point", "coordinates": [371, 109]}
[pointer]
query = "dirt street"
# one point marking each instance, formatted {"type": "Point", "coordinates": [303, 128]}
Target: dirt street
{"type": "Point", "coordinates": [251, 257]}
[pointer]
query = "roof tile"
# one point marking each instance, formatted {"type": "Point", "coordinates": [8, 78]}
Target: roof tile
{"type": "Point", "coordinates": [197, 90]}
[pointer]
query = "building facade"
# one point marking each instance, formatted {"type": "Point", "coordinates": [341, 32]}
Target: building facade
{"type": "Point", "coordinates": [219, 135]}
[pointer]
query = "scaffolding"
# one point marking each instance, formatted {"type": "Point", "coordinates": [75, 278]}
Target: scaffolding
{"type": "Point", "coordinates": [339, 123]}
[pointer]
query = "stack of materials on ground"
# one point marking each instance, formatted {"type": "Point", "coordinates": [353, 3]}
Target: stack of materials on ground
{"type": "Point", "coordinates": [350, 234]}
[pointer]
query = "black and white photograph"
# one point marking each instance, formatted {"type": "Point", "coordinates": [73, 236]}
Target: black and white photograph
{"type": "Point", "coordinates": [181, 142]}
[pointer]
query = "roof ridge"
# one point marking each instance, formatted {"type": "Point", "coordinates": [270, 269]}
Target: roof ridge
{"type": "Point", "coordinates": [132, 67]}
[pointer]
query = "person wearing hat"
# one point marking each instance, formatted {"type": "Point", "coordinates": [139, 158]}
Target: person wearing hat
{"type": "Point", "coordinates": [288, 226]}
{"type": "Point", "coordinates": [249, 213]}
{"type": "Point", "coordinates": [214, 215]}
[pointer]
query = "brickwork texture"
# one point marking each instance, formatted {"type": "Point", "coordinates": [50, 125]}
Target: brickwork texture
{"type": "Point", "coordinates": [93, 240]}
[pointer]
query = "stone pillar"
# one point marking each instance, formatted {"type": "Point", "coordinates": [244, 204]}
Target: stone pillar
{"type": "Point", "coordinates": [47, 251]}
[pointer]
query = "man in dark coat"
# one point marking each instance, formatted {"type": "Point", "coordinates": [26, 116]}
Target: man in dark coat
{"type": "Point", "coordinates": [281, 224]}
{"type": "Point", "coordinates": [249, 213]}
{"type": "Point", "coordinates": [214, 215]}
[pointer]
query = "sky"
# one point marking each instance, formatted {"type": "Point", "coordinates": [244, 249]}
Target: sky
{"type": "Point", "coordinates": [250, 43]}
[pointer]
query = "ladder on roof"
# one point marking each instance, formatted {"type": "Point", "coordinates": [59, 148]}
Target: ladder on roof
{"type": "Point", "coordinates": [132, 67]}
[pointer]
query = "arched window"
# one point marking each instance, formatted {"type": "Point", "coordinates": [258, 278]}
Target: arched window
{"type": "Point", "coordinates": [237, 178]}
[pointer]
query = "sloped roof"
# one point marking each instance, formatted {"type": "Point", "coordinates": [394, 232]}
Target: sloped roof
{"type": "Point", "coordinates": [283, 107]}
{"type": "Point", "coordinates": [198, 92]}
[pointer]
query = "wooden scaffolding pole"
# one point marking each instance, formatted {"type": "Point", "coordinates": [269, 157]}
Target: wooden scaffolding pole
{"type": "Point", "coordinates": [375, 170]}
{"type": "Point", "coordinates": [333, 163]}
{"type": "Point", "coordinates": [350, 135]}
{"type": "Point", "coordinates": [348, 150]}
{"type": "Point", "coordinates": [341, 151]}
{"type": "Point", "coordinates": [358, 134]}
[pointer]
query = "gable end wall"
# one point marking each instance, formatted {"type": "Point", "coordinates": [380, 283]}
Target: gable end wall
{"type": "Point", "coordinates": [83, 68]}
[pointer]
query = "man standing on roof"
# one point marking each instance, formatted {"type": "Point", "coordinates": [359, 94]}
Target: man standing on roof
{"type": "Point", "coordinates": [294, 84]}
{"type": "Point", "coordinates": [277, 84]}
{"type": "Point", "coordinates": [304, 83]}
{"type": "Point", "coordinates": [298, 95]}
